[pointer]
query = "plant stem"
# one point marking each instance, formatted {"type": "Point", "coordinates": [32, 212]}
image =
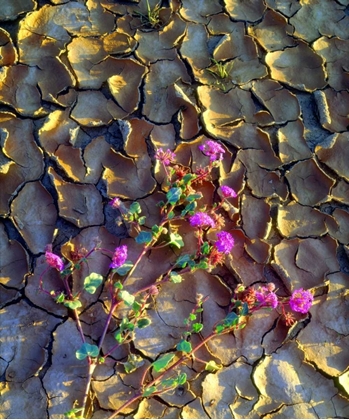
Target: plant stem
{"type": "Point", "coordinates": [154, 381]}
{"type": "Point", "coordinates": [114, 305]}
{"type": "Point", "coordinates": [126, 404]}
{"type": "Point", "coordinates": [92, 367]}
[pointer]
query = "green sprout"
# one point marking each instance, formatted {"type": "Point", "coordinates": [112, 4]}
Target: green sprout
{"type": "Point", "coordinates": [152, 18]}
{"type": "Point", "coordinates": [220, 70]}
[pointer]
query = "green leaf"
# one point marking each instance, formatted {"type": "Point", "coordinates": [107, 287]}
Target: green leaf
{"type": "Point", "coordinates": [135, 208]}
{"type": "Point", "coordinates": [197, 327]}
{"type": "Point", "coordinates": [156, 230]}
{"type": "Point", "coordinates": [212, 366]}
{"type": "Point", "coordinates": [73, 304]}
{"type": "Point", "coordinates": [192, 317]}
{"type": "Point", "coordinates": [205, 248]}
{"type": "Point", "coordinates": [184, 346]}
{"type": "Point", "coordinates": [193, 197]}
{"type": "Point", "coordinates": [187, 178]}
{"type": "Point", "coordinates": [141, 220]}
{"type": "Point", "coordinates": [173, 195]}
{"type": "Point", "coordinates": [126, 297]}
{"type": "Point", "coordinates": [71, 414]}
{"type": "Point", "coordinates": [170, 382]}
{"type": "Point", "coordinates": [175, 278]}
{"type": "Point", "coordinates": [118, 285]}
{"type": "Point", "coordinates": [86, 350]}
{"type": "Point", "coordinates": [183, 260]}
{"type": "Point", "coordinates": [125, 268]}
{"type": "Point", "coordinates": [118, 337]}
{"type": "Point", "coordinates": [231, 319]}
{"type": "Point", "coordinates": [143, 323]}
{"type": "Point", "coordinates": [244, 310]}
{"type": "Point", "coordinates": [162, 363]}
{"type": "Point", "coordinates": [144, 237]}
{"type": "Point", "coordinates": [92, 282]}
{"type": "Point", "coordinates": [126, 325]}
{"type": "Point", "coordinates": [189, 208]}
{"type": "Point", "coordinates": [182, 379]}
{"type": "Point", "coordinates": [136, 306]}
{"type": "Point", "coordinates": [60, 298]}
{"type": "Point", "coordinates": [220, 328]}
{"type": "Point", "coordinates": [148, 391]}
{"type": "Point", "coordinates": [170, 215]}
{"type": "Point", "coordinates": [201, 264]}
{"type": "Point", "coordinates": [176, 240]}
{"type": "Point", "coordinates": [133, 362]}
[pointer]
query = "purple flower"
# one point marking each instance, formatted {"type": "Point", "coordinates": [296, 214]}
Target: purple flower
{"type": "Point", "coordinates": [115, 202]}
{"type": "Point", "coordinates": [301, 301]}
{"type": "Point", "coordinates": [54, 261]}
{"type": "Point", "coordinates": [267, 298]}
{"type": "Point", "coordinates": [228, 192]}
{"type": "Point", "coordinates": [212, 149]}
{"type": "Point", "coordinates": [165, 157]}
{"type": "Point", "coordinates": [201, 219]}
{"type": "Point", "coordinates": [225, 242]}
{"type": "Point", "coordinates": [119, 257]}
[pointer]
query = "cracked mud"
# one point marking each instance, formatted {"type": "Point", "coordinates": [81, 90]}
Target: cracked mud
{"type": "Point", "coordinates": [88, 91]}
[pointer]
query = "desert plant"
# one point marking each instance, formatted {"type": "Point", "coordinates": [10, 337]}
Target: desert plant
{"type": "Point", "coordinates": [180, 204]}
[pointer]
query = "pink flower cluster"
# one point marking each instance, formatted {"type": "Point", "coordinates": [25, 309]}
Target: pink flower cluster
{"type": "Point", "coordinates": [225, 242]}
{"type": "Point", "coordinates": [201, 219]}
{"type": "Point", "coordinates": [301, 301]}
{"type": "Point", "coordinates": [119, 257]}
{"type": "Point", "coordinates": [165, 157]}
{"type": "Point", "coordinates": [212, 149]}
{"type": "Point", "coordinates": [266, 297]}
{"type": "Point", "coordinates": [228, 192]}
{"type": "Point", "coordinates": [54, 261]}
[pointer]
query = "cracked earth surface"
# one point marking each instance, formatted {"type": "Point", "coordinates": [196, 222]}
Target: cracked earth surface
{"type": "Point", "coordinates": [87, 92]}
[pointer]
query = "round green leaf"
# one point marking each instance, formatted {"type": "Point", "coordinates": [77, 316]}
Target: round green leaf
{"type": "Point", "coordinates": [176, 240]}
{"type": "Point", "coordinates": [92, 282]}
{"type": "Point", "coordinates": [72, 304]}
{"type": "Point", "coordinates": [175, 278]}
{"type": "Point", "coordinates": [162, 363]}
{"type": "Point", "coordinates": [148, 391]}
{"type": "Point", "coordinates": [126, 297]}
{"type": "Point", "coordinates": [144, 237]}
{"type": "Point", "coordinates": [87, 350]}
{"type": "Point", "coordinates": [212, 366]}
{"type": "Point", "coordinates": [143, 323]}
{"type": "Point", "coordinates": [125, 268]}
{"type": "Point", "coordinates": [174, 195]}
{"type": "Point", "coordinates": [184, 346]}
{"type": "Point", "coordinates": [197, 327]}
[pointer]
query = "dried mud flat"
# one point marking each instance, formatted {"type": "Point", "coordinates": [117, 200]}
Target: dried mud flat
{"type": "Point", "coordinates": [87, 92]}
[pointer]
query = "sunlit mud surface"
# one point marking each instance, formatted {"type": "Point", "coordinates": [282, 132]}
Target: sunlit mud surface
{"type": "Point", "coordinates": [88, 91]}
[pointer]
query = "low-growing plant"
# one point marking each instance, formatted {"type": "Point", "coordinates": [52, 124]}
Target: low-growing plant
{"type": "Point", "coordinates": [181, 204]}
{"type": "Point", "coordinates": [152, 18]}
{"type": "Point", "coordinates": [220, 71]}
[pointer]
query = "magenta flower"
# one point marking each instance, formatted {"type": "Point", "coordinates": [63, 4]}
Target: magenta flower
{"type": "Point", "coordinates": [54, 261]}
{"type": "Point", "coordinates": [225, 242]}
{"type": "Point", "coordinates": [212, 149]}
{"type": "Point", "coordinates": [115, 202]}
{"type": "Point", "coordinates": [267, 298]}
{"type": "Point", "coordinates": [165, 157]}
{"type": "Point", "coordinates": [201, 219]}
{"type": "Point", "coordinates": [301, 301]}
{"type": "Point", "coordinates": [119, 257]}
{"type": "Point", "coordinates": [228, 192]}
